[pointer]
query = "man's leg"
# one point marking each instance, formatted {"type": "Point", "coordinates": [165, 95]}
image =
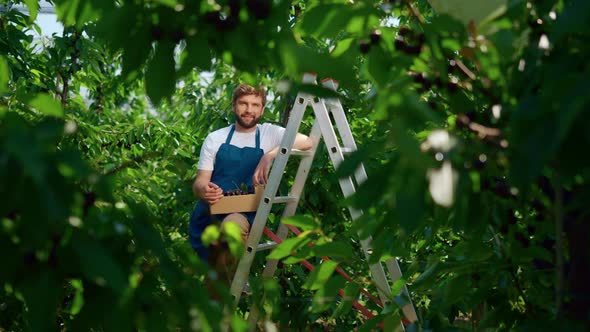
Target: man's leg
{"type": "Point", "coordinates": [224, 262]}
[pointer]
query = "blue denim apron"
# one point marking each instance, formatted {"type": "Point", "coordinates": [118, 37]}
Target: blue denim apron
{"type": "Point", "coordinates": [233, 166]}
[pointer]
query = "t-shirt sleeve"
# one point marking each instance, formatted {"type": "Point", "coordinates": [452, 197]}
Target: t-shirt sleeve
{"type": "Point", "coordinates": [276, 134]}
{"type": "Point", "coordinates": [207, 156]}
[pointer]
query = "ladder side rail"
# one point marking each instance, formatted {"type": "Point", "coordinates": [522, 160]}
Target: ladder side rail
{"type": "Point", "coordinates": [280, 162]}
{"type": "Point", "coordinates": [396, 274]}
{"type": "Point", "coordinates": [290, 208]}
{"type": "Point", "coordinates": [296, 191]}
{"type": "Point", "coordinates": [343, 126]}
{"type": "Point", "coordinates": [335, 106]}
{"type": "Point", "coordinates": [347, 186]}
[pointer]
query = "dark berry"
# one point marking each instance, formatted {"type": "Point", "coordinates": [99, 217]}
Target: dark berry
{"type": "Point", "coordinates": [157, 33]}
{"type": "Point", "coordinates": [479, 164]}
{"type": "Point", "coordinates": [297, 10]}
{"type": "Point", "coordinates": [501, 188]}
{"type": "Point", "coordinates": [234, 7]}
{"type": "Point", "coordinates": [404, 31]}
{"type": "Point", "coordinates": [452, 87]}
{"type": "Point", "coordinates": [548, 243]}
{"type": "Point", "coordinates": [364, 47]}
{"type": "Point", "coordinates": [375, 36]}
{"type": "Point", "coordinates": [531, 229]}
{"type": "Point", "coordinates": [212, 18]}
{"type": "Point", "coordinates": [541, 264]}
{"type": "Point", "coordinates": [511, 217]}
{"type": "Point", "coordinates": [504, 229]}
{"type": "Point", "coordinates": [177, 35]}
{"type": "Point", "coordinates": [260, 9]}
{"type": "Point", "coordinates": [399, 44]}
{"type": "Point", "coordinates": [12, 215]}
{"type": "Point", "coordinates": [545, 185]}
{"type": "Point", "coordinates": [30, 258]}
{"type": "Point", "coordinates": [523, 239]}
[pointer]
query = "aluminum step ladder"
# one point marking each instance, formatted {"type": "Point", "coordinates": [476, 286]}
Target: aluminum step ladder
{"type": "Point", "coordinates": [322, 128]}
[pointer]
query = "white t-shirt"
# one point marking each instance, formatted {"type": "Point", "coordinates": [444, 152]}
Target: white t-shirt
{"type": "Point", "coordinates": [270, 137]}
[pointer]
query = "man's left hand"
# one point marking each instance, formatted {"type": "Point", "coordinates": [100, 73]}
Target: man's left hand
{"type": "Point", "coordinates": [261, 171]}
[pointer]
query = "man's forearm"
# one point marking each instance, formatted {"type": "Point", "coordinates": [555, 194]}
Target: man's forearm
{"type": "Point", "coordinates": [302, 142]}
{"type": "Point", "coordinates": [199, 188]}
{"type": "Point", "coordinates": [272, 154]}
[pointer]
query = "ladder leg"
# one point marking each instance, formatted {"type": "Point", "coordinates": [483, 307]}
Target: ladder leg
{"type": "Point", "coordinates": [296, 191]}
{"type": "Point", "coordinates": [347, 186]}
{"type": "Point", "coordinates": [270, 191]}
{"type": "Point", "coordinates": [291, 207]}
{"type": "Point", "coordinates": [392, 265]}
{"type": "Point", "coordinates": [396, 273]}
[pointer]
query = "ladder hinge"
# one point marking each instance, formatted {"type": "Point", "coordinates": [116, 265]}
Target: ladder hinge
{"type": "Point", "coordinates": [266, 246]}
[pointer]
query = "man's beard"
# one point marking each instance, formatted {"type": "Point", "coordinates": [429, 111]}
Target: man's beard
{"type": "Point", "coordinates": [245, 125]}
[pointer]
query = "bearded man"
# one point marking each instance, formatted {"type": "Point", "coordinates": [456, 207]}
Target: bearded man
{"type": "Point", "coordinates": [241, 153]}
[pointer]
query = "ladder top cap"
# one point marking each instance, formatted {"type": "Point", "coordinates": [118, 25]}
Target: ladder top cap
{"type": "Point", "coordinates": [330, 79]}
{"type": "Point", "coordinates": [330, 83]}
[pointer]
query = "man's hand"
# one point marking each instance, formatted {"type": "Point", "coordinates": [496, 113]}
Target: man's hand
{"type": "Point", "coordinates": [212, 193]}
{"type": "Point", "coordinates": [261, 171]}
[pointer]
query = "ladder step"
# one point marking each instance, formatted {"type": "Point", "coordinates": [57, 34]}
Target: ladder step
{"type": "Point", "coordinates": [266, 246]}
{"type": "Point", "coordinates": [305, 153]}
{"type": "Point", "coordinates": [284, 199]}
{"type": "Point", "coordinates": [344, 150]}
{"type": "Point", "coordinates": [347, 150]}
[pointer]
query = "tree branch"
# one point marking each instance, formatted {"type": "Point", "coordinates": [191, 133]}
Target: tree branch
{"type": "Point", "coordinates": [559, 261]}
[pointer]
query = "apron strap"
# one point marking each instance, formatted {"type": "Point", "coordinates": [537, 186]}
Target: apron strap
{"type": "Point", "coordinates": [257, 137]}
{"type": "Point", "coordinates": [231, 133]}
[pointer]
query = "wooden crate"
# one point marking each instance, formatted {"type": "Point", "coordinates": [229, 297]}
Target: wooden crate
{"type": "Point", "coordinates": [239, 203]}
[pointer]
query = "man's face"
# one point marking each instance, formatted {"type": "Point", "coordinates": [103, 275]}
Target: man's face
{"type": "Point", "coordinates": [248, 110]}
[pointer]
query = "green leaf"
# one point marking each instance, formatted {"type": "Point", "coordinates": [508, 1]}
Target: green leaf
{"type": "Point", "coordinates": [98, 264]}
{"type": "Point", "coordinates": [169, 3]}
{"type": "Point", "coordinates": [427, 277]}
{"type": "Point", "coordinates": [233, 234]}
{"type": "Point", "coordinates": [210, 234]}
{"type": "Point", "coordinates": [78, 301]}
{"type": "Point", "coordinates": [4, 74]}
{"type": "Point", "coordinates": [33, 6]}
{"type": "Point", "coordinates": [196, 54]}
{"type": "Point", "coordinates": [46, 105]}
{"type": "Point", "coordinates": [306, 223]}
{"type": "Point", "coordinates": [41, 293]}
{"type": "Point", "coordinates": [298, 59]}
{"type": "Point", "coordinates": [351, 294]}
{"type": "Point", "coordinates": [333, 250]}
{"type": "Point", "coordinates": [160, 76]}
{"type": "Point", "coordinates": [325, 20]}
{"type": "Point", "coordinates": [468, 10]}
{"type": "Point", "coordinates": [78, 12]}
{"type": "Point", "coordinates": [288, 246]}
{"type": "Point", "coordinates": [327, 295]}
{"type": "Point", "coordinates": [318, 277]}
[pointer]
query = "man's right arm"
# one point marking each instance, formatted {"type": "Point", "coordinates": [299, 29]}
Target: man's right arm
{"type": "Point", "coordinates": [206, 190]}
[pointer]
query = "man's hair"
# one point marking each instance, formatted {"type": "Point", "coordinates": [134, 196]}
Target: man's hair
{"type": "Point", "coordinates": [245, 89]}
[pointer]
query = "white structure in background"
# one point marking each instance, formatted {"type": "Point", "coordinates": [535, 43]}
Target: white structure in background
{"type": "Point", "coordinates": [46, 19]}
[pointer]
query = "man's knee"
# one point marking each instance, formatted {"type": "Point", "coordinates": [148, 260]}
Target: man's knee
{"type": "Point", "coordinates": [239, 220]}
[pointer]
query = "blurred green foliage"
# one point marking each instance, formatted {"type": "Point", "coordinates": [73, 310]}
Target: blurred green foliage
{"type": "Point", "coordinates": [101, 126]}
